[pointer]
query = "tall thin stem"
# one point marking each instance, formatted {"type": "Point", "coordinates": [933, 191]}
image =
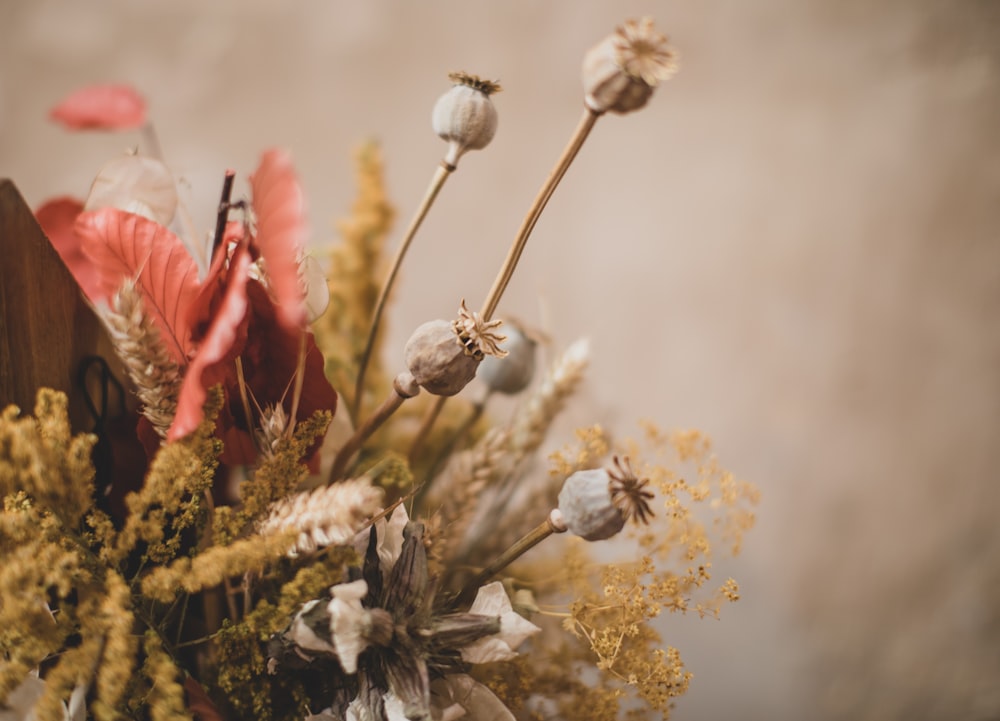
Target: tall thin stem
{"type": "Point", "coordinates": [402, 388]}
{"type": "Point", "coordinates": [437, 182]}
{"type": "Point", "coordinates": [583, 129]}
{"type": "Point", "coordinates": [524, 544]}
{"type": "Point", "coordinates": [425, 428]}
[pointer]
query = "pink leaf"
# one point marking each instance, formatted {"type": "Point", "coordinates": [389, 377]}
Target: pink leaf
{"type": "Point", "coordinates": [281, 233]}
{"type": "Point", "coordinates": [125, 246]}
{"type": "Point", "coordinates": [57, 218]}
{"type": "Point", "coordinates": [217, 349]}
{"type": "Point", "coordinates": [101, 107]}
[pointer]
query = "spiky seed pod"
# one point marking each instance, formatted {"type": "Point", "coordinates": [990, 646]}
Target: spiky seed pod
{"type": "Point", "coordinates": [513, 373]}
{"type": "Point", "coordinates": [620, 72]}
{"type": "Point", "coordinates": [465, 116]}
{"type": "Point", "coordinates": [587, 507]}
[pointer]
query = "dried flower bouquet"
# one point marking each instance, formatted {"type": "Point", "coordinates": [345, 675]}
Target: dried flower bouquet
{"type": "Point", "coordinates": [292, 551]}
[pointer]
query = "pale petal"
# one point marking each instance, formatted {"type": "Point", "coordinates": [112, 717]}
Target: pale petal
{"type": "Point", "coordinates": [492, 600]}
{"type": "Point", "coordinates": [348, 619]}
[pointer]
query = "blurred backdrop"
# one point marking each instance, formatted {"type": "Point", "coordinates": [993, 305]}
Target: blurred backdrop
{"type": "Point", "coordinates": [795, 248]}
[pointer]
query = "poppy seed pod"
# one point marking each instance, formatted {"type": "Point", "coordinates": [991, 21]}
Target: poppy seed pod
{"type": "Point", "coordinates": [465, 116]}
{"type": "Point", "coordinates": [587, 508]}
{"type": "Point", "coordinates": [438, 360]}
{"type": "Point", "coordinates": [512, 373]}
{"type": "Point", "coordinates": [620, 72]}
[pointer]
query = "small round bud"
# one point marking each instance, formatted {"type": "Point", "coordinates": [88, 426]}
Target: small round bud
{"type": "Point", "coordinates": [587, 507]}
{"type": "Point", "coordinates": [620, 72]}
{"type": "Point", "coordinates": [512, 373]}
{"type": "Point", "coordinates": [438, 360]}
{"type": "Point", "coordinates": [465, 116]}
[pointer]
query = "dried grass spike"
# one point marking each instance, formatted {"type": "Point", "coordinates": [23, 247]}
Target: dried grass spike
{"type": "Point", "coordinates": [137, 342]}
{"type": "Point", "coordinates": [330, 515]}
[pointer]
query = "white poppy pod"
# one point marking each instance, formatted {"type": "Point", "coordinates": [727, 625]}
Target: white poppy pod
{"type": "Point", "coordinates": [136, 184]}
{"type": "Point", "coordinates": [587, 507]}
{"type": "Point", "coordinates": [465, 116]}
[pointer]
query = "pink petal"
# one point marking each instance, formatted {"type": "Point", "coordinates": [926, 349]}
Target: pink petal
{"type": "Point", "coordinates": [216, 347]}
{"type": "Point", "coordinates": [101, 107]}
{"type": "Point", "coordinates": [281, 233]}
{"type": "Point", "coordinates": [58, 218]}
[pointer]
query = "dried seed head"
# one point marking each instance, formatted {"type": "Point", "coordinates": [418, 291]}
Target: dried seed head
{"type": "Point", "coordinates": [478, 336]}
{"type": "Point", "coordinates": [587, 507]}
{"type": "Point", "coordinates": [620, 72]}
{"type": "Point", "coordinates": [513, 373]}
{"type": "Point", "coordinates": [273, 425]}
{"type": "Point", "coordinates": [443, 357]}
{"type": "Point", "coordinates": [465, 116]}
{"type": "Point", "coordinates": [628, 491]}
{"type": "Point", "coordinates": [437, 359]}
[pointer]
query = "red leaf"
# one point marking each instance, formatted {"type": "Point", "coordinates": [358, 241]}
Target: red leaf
{"type": "Point", "coordinates": [126, 246]}
{"type": "Point", "coordinates": [101, 107]}
{"type": "Point", "coordinates": [217, 349]}
{"type": "Point", "coordinates": [57, 218]}
{"type": "Point", "coordinates": [281, 233]}
{"type": "Point", "coordinates": [198, 702]}
{"type": "Point", "coordinates": [270, 359]}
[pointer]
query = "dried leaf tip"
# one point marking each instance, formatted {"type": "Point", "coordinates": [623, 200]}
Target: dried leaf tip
{"type": "Point", "coordinates": [477, 335]}
{"type": "Point", "coordinates": [643, 53]}
{"type": "Point", "coordinates": [628, 491]}
{"type": "Point", "coordinates": [486, 87]}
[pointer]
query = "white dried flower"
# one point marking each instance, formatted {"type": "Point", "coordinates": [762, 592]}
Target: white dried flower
{"type": "Point", "coordinates": [492, 600]}
{"type": "Point", "coordinates": [327, 516]}
{"type": "Point", "coordinates": [620, 72]}
{"type": "Point", "coordinates": [465, 116]}
{"type": "Point", "coordinates": [348, 622]}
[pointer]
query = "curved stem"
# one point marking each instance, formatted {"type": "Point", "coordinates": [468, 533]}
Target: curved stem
{"type": "Point", "coordinates": [583, 129]}
{"type": "Point", "coordinates": [437, 182]}
{"type": "Point", "coordinates": [401, 390]}
{"type": "Point", "coordinates": [524, 544]}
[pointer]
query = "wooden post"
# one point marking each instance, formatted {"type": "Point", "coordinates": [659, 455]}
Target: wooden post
{"type": "Point", "coordinates": [46, 327]}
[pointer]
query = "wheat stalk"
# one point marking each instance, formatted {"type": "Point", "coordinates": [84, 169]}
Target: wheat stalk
{"type": "Point", "coordinates": [136, 339]}
{"type": "Point", "coordinates": [327, 516]}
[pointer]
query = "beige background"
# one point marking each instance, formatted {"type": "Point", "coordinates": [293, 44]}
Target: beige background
{"type": "Point", "coordinates": [794, 248]}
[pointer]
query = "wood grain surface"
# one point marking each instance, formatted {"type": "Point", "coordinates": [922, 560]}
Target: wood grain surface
{"type": "Point", "coordinates": [45, 325]}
